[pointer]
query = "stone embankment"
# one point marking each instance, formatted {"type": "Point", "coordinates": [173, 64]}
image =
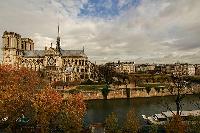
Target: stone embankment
{"type": "Point", "coordinates": [133, 92]}
{"type": "Point", "coordinates": [129, 91]}
{"type": "Point", "coordinates": [122, 93]}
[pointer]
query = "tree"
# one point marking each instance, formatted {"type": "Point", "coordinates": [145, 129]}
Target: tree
{"type": "Point", "coordinates": [71, 114]}
{"type": "Point", "coordinates": [111, 124]}
{"type": "Point", "coordinates": [194, 124]}
{"type": "Point", "coordinates": [131, 124]}
{"type": "Point", "coordinates": [195, 84]}
{"type": "Point", "coordinates": [17, 88]}
{"type": "Point", "coordinates": [105, 91]}
{"type": "Point", "coordinates": [179, 87]}
{"type": "Point", "coordinates": [106, 73]}
{"type": "Point", "coordinates": [24, 93]}
{"type": "Point", "coordinates": [176, 125]}
{"type": "Point", "coordinates": [46, 103]}
{"type": "Point", "coordinates": [125, 81]}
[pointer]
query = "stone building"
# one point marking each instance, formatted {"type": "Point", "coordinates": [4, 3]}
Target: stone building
{"type": "Point", "coordinates": [121, 67]}
{"type": "Point", "coordinates": [184, 69]}
{"type": "Point", "coordinates": [58, 64]}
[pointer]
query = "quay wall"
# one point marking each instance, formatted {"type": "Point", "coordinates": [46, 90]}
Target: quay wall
{"type": "Point", "coordinates": [124, 92]}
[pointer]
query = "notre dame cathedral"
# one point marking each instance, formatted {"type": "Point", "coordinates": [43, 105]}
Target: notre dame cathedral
{"type": "Point", "coordinates": [58, 64]}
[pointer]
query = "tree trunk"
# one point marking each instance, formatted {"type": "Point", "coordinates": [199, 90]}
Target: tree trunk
{"type": "Point", "coordinates": [177, 106]}
{"type": "Point", "coordinates": [105, 97]}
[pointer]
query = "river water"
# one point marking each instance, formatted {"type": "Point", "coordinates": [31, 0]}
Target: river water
{"type": "Point", "coordinates": [98, 110]}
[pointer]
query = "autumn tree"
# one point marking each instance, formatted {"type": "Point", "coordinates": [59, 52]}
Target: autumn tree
{"type": "Point", "coordinates": [71, 113]}
{"type": "Point", "coordinates": [17, 88]}
{"type": "Point", "coordinates": [131, 124]}
{"type": "Point", "coordinates": [111, 124]}
{"type": "Point", "coordinates": [24, 93]}
{"type": "Point", "coordinates": [46, 103]}
{"type": "Point", "coordinates": [176, 125]}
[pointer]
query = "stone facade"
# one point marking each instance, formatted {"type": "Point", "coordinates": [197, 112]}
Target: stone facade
{"type": "Point", "coordinates": [121, 67]}
{"type": "Point", "coordinates": [58, 64]}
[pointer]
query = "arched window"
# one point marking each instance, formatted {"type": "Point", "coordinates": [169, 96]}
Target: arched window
{"type": "Point", "coordinates": [25, 46]}
{"type": "Point", "coordinates": [8, 42]}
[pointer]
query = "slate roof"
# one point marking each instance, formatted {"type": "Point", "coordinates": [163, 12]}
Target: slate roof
{"type": "Point", "coordinates": [73, 53]}
{"type": "Point", "coordinates": [34, 53]}
{"type": "Point", "coordinates": [41, 53]}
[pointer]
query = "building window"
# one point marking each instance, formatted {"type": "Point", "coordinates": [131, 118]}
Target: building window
{"type": "Point", "coordinates": [82, 76]}
{"type": "Point", "coordinates": [8, 42]}
{"type": "Point", "coordinates": [25, 45]}
{"type": "Point", "coordinates": [17, 43]}
{"type": "Point", "coordinates": [86, 76]}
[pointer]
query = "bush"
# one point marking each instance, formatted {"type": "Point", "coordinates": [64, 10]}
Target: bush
{"type": "Point", "coordinates": [194, 125]}
{"type": "Point", "coordinates": [176, 125]}
{"type": "Point", "coordinates": [105, 91]}
{"type": "Point", "coordinates": [148, 89]}
{"type": "Point", "coordinates": [111, 124]}
{"type": "Point", "coordinates": [88, 82]}
{"type": "Point", "coordinates": [128, 91]}
{"type": "Point", "coordinates": [157, 89]}
{"type": "Point", "coordinates": [131, 124]}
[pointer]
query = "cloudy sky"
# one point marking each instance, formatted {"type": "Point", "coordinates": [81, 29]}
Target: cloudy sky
{"type": "Point", "coordinates": [144, 31]}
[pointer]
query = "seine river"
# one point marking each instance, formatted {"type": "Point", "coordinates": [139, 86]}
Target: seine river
{"type": "Point", "coordinates": [97, 110]}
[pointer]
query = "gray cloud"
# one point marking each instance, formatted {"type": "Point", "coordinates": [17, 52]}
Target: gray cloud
{"type": "Point", "coordinates": [155, 31]}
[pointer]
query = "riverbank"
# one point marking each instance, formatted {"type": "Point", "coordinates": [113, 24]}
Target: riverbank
{"type": "Point", "coordinates": [98, 110]}
{"type": "Point", "coordinates": [92, 92]}
{"type": "Point", "coordinates": [126, 93]}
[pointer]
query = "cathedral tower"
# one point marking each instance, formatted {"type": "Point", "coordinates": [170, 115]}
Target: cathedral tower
{"type": "Point", "coordinates": [11, 47]}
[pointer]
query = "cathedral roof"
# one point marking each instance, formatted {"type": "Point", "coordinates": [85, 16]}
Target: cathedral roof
{"type": "Point", "coordinates": [34, 53]}
{"type": "Point", "coordinates": [73, 53]}
{"type": "Point", "coordinates": [69, 53]}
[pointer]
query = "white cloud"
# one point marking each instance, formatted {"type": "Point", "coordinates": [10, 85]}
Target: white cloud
{"type": "Point", "coordinates": [154, 31]}
{"type": "Point", "coordinates": [122, 3]}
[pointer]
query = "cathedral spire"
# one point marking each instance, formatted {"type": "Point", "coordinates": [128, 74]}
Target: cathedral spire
{"type": "Point", "coordinates": [58, 40]}
{"type": "Point", "coordinates": [58, 30]}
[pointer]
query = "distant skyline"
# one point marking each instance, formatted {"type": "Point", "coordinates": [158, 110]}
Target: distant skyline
{"type": "Point", "coordinates": [143, 31]}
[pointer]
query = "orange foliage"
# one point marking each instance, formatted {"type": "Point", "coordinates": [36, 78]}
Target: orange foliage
{"type": "Point", "coordinates": [17, 87]}
{"type": "Point", "coordinates": [75, 107]}
{"type": "Point", "coordinates": [176, 125]}
{"type": "Point", "coordinates": [23, 91]}
{"type": "Point", "coordinates": [47, 103]}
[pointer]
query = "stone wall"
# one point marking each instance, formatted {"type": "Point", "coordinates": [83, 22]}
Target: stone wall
{"type": "Point", "coordinates": [122, 93]}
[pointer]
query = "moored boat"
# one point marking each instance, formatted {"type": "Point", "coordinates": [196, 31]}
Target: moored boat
{"type": "Point", "coordinates": [163, 117]}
